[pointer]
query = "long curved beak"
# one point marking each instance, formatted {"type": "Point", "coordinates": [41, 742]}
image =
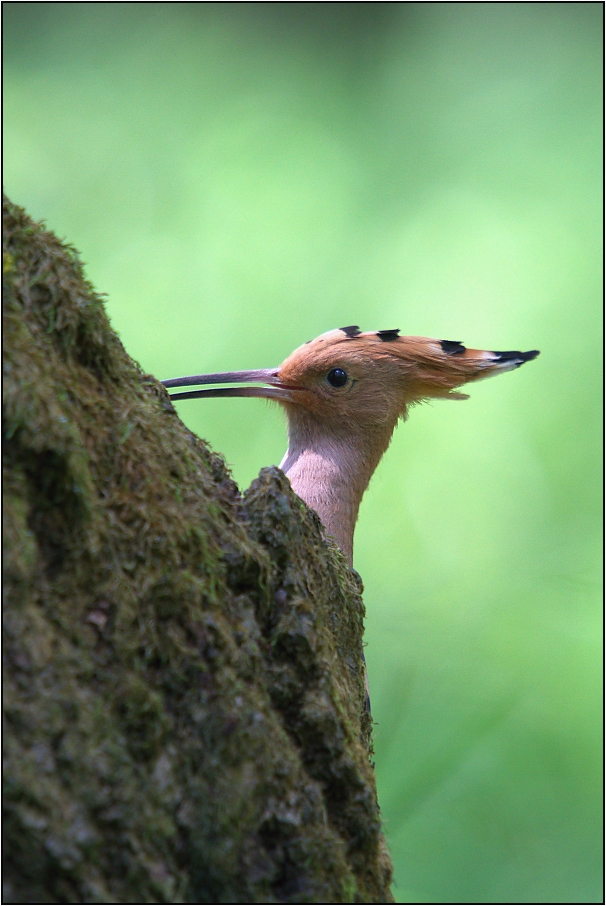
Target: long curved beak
{"type": "Point", "coordinates": [276, 390]}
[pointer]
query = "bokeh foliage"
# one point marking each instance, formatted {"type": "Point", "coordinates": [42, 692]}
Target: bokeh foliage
{"type": "Point", "coordinates": [240, 178]}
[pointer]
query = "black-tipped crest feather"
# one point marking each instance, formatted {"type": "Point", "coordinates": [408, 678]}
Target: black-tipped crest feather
{"type": "Point", "coordinates": [510, 355]}
{"type": "Point", "coordinates": [387, 335]}
{"type": "Point", "coordinates": [452, 347]}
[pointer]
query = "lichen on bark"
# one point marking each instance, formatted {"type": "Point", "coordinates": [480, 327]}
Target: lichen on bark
{"type": "Point", "coordinates": [183, 687]}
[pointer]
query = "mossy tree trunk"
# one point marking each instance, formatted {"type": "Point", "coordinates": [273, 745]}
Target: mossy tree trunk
{"type": "Point", "coordinates": [183, 665]}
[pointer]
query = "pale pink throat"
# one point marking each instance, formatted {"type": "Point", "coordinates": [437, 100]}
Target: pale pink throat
{"type": "Point", "coordinates": [330, 472]}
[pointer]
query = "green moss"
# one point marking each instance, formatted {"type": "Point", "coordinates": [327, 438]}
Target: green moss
{"type": "Point", "coordinates": [183, 674]}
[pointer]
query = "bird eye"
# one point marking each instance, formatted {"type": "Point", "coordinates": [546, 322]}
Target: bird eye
{"type": "Point", "coordinates": [337, 377]}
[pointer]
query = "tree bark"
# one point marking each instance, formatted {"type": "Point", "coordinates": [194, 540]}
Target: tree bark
{"type": "Point", "coordinates": [184, 683]}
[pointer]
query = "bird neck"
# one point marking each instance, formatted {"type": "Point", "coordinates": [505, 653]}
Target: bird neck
{"type": "Point", "coordinates": [330, 470]}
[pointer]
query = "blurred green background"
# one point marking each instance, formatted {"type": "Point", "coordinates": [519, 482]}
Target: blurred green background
{"type": "Point", "coordinates": [240, 178]}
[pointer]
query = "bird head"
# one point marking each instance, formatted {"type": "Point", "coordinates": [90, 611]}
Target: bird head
{"type": "Point", "coordinates": [349, 381]}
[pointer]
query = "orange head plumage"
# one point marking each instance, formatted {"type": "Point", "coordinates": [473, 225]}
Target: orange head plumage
{"type": "Point", "coordinates": [364, 380]}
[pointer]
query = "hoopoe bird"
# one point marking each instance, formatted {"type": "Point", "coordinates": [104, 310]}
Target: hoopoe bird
{"type": "Point", "coordinates": [343, 394]}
